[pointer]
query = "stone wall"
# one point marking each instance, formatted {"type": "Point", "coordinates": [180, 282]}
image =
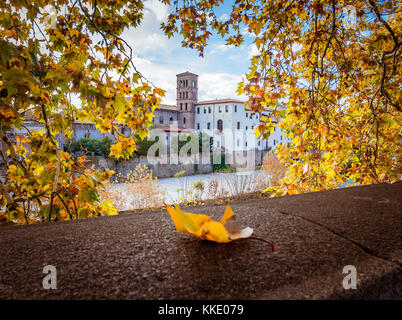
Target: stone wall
{"type": "Point", "coordinates": [160, 170]}
{"type": "Point", "coordinates": [246, 159]}
{"type": "Point", "coordinates": [190, 165]}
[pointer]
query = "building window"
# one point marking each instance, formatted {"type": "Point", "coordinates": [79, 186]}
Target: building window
{"type": "Point", "coordinates": [238, 142]}
{"type": "Point", "coordinates": [209, 109]}
{"type": "Point", "coordinates": [161, 119]}
{"type": "Point", "coordinates": [87, 134]}
{"type": "Point", "coordinates": [186, 95]}
{"type": "Point", "coordinates": [205, 110]}
{"type": "Point", "coordinates": [171, 119]}
{"type": "Point", "coordinates": [198, 110]}
{"type": "Point", "coordinates": [238, 125]}
{"type": "Point", "coordinates": [208, 125]}
{"type": "Point", "coordinates": [235, 108]}
{"type": "Point", "coordinates": [246, 144]}
{"type": "Point", "coordinates": [184, 120]}
{"type": "Point", "coordinates": [198, 126]}
{"type": "Point", "coordinates": [274, 142]}
{"type": "Point", "coordinates": [226, 108]}
{"type": "Point", "coordinates": [220, 125]}
{"type": "Point", "coordinates": [246, 128]}
{"type": "Point", "coordinates": [217, 144]}
{"type": "Point", "coordinates": [181, 106]}
{"type": "Point", "coordinates": [259, 143]}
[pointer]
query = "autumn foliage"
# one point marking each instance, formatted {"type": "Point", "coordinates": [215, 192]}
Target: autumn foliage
{"type": "Point", "coordinates": [334, 86]}
{"type": "Point", "coordinates": [330, 70]}
{"type": "Point", "coordinates": [274, 169]}
{"type": "Point", "coordinates": [63, 61]}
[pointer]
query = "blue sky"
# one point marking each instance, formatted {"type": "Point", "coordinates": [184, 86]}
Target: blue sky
{"type": "Point", "coordinates": [160, 58]}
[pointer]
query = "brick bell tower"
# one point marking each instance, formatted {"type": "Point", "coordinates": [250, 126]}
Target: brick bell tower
{"type": "Point", "coordinates": [187, 97]}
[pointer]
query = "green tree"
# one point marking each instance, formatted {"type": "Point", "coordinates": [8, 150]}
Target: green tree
{"type": "Point", "coordinates": [88, 145]}
{"type": "Point", "coordinates": [204, 138]}
{"type": "Point", "coordinates": [105, 145]}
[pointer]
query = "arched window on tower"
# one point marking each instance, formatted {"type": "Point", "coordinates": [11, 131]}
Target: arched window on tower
{"type": "Point", "coordinates": [220, 125]}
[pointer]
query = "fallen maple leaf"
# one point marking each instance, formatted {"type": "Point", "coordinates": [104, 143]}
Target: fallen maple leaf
{"type": "Point", "coordinates": [204, 227]}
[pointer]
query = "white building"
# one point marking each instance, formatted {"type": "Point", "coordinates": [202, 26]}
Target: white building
{"type": "Point", "coordinates": [232, 126]}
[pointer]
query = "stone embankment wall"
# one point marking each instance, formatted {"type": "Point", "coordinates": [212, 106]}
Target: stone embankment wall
{"type": "Point", "coordinates": [163, 168]}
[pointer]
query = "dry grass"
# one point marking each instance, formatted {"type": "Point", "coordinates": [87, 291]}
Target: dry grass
{"type": "Point", "coordinates": [138, 190]}
{"type": "Point", "coordinates": [215, 190]}
{"type": "Point", "coordinates": [274, 168]}
{"type": "Point", "coordinates": [242, 184]}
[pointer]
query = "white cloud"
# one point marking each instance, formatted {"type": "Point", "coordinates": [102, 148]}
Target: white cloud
{"type": "Point", "coordinates": [253, 51]}
{"type": "Point", "coordinates": [219, 48]}
{"type": "Point", "coordinates": [247, 33]}
{"type": "Point", "coordinates": [160, 10]}
{"type": "Point", "coordinates": [218, 86]}
{"type": "Point", "coordinates": [159, 59]}
{"type": "Point", "coordinates": [210, 85]}
{"type": "Point", "coordinates": [148, 38]}
{"type": "Point", "coordinates": [224, 17]}
{"type": "Point", "coordinates": [162, 76]}
{"type": "Point", "coordinates": [296, 47]}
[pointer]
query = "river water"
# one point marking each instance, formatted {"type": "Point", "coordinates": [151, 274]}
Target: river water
{"type": "Point", "coordinates": [232, 183]}
{"type": "Point", "coordinates": [187, 189]}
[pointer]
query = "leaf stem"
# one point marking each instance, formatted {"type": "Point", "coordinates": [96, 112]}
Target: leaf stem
{"type": "Point", "coordinates": [264, 240]}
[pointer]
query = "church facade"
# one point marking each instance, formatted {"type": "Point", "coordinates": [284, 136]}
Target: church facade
{"type": "Point", "coordinates": [226, 120]}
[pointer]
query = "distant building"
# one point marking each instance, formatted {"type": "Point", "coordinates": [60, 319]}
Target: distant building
{"type": "Point", "coordinates": [232, 125]}
{"type": "Point", "coordinates": [226, 120]}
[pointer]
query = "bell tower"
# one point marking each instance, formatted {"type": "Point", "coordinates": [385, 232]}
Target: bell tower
{"type": "Point", "coordinates": [187, 97]}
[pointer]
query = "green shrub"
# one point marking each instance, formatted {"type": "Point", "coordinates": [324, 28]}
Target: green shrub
{"type": "Point", "coordinates": [219, 166]}
{"type": "Point", "coordinates": [89, 145]}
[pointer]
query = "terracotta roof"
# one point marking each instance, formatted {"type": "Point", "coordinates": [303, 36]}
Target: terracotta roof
{"type": "Point", "coordinates": [175, 129]}
{"type": "Point", "coordinates": [186, 73]}
{"type": "Point", "coordinates": [167, 107]}
{"type": "Point", "coordinates": [218, 101]}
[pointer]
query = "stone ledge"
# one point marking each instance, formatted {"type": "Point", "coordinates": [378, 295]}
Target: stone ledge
{"type": "Point", "coordinates": [141, 256]}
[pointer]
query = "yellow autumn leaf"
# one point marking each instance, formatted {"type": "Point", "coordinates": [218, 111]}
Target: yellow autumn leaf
{"type": "Point", "coordinates": [204, 227]}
